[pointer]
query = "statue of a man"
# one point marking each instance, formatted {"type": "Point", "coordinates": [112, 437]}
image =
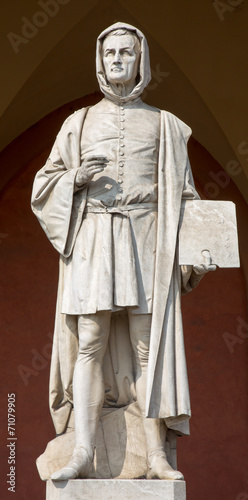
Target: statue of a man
{"type": "Point", "coordinates": [109, 200]}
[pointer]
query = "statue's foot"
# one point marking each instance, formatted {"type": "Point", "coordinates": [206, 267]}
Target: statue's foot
{"type": "Point", "coordinates": [78, 467]}
{"type": "Point", "coordinates": [159, 468]}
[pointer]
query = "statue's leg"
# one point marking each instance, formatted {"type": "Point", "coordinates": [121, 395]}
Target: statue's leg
{"type": "Point", "coordinates": [155, 428]}
{"type": "Point", "coordinates": [88, 392]}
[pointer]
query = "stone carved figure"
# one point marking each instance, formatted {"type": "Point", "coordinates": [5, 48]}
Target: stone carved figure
{"type": "Point", "coordinates": [109, 200]}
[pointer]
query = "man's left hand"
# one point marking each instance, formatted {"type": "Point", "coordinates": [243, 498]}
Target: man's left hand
{"type": "Point", "coordinates": [206, 264]}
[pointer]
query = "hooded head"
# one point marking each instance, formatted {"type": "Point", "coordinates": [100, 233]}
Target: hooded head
{"type": "Point", "coordinates": [144, 74]}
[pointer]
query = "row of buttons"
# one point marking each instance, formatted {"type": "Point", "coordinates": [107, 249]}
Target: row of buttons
{"type": "Point", "coordinates": [121, 153]}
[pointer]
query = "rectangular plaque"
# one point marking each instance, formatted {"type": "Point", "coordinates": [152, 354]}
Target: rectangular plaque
{"type": "Point", "coordinates": [208, 225]}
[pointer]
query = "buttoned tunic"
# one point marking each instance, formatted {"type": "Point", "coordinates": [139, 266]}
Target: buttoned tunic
{"type": "Point", "coordinates": [117, 238]}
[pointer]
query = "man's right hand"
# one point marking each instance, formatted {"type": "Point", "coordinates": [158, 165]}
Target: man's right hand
{"type": "Point", "coordinates": [91, 165]}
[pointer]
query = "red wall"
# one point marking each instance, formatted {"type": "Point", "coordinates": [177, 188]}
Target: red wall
{"type": "Point", "coordinates": [214, 459]}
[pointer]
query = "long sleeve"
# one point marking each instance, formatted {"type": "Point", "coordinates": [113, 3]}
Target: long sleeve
{"type": "Point", "coordinates": [189, 279]}
{"type": "Point", "coordinates": [55, 201]}
{"type": "Point", "coordinates": [189, 191]}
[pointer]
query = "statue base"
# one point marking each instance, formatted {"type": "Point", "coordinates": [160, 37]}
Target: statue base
{"type": "Point", "coordinates": [110, 489]}
{"type": "Point", "coordinates": [120, 447]}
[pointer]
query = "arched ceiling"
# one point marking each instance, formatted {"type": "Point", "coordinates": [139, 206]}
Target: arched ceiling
{"type": "Point", "coordinates": [198, 58]}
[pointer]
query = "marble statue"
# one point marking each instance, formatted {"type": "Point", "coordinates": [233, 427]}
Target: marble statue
{"type": "Point", "coordinates": [109, 200]}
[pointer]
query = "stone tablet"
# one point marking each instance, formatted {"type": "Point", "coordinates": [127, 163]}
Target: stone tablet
{"type": "Point", "coordinates": [208, 225]}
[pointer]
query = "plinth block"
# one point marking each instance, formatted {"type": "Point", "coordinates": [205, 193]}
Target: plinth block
{"type": "Point", "coordinates": [111, 489]}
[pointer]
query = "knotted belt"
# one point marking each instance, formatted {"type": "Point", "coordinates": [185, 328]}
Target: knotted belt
{"type": "Point", "coordinates": [121, 209]}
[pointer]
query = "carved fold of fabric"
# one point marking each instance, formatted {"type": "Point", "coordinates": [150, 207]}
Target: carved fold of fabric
{"type": "Point", "coordinates": [167, 395]}
{"type": "Point", "coordinates": [109, 243]}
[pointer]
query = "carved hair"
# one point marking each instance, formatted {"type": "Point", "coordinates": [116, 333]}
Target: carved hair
{"type": "Point", "coordinates": [123, 31]}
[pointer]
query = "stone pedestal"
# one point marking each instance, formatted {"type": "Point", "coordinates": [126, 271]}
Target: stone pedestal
{"type": "Point", "coordinates": [112, 489]}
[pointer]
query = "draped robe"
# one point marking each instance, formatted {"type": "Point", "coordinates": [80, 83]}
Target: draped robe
{"type": "Point", "coordinates": [60, 211]}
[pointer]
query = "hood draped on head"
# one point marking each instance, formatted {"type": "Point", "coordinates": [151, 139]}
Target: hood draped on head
{"type": "Point", "coordinates": [144, 72]}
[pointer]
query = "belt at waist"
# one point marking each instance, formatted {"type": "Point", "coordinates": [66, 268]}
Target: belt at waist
{"type": "Point", "coordinates": [121, 209]}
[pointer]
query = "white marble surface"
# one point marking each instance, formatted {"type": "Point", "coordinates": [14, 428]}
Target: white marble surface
{"type": "Point", "coordinates": [109, 200]}
{"type": "Point", "coordinates": [208, 225]}
{"type": "Point", "coordinates": [120, 447]}
{"type": "Point", "coordinates": [121, 489]}
{"type": "Point", "coordinates": [89, 198]}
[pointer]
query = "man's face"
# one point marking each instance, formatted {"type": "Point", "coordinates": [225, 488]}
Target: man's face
{"type": "Point", "coordinates": [120, 59]}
